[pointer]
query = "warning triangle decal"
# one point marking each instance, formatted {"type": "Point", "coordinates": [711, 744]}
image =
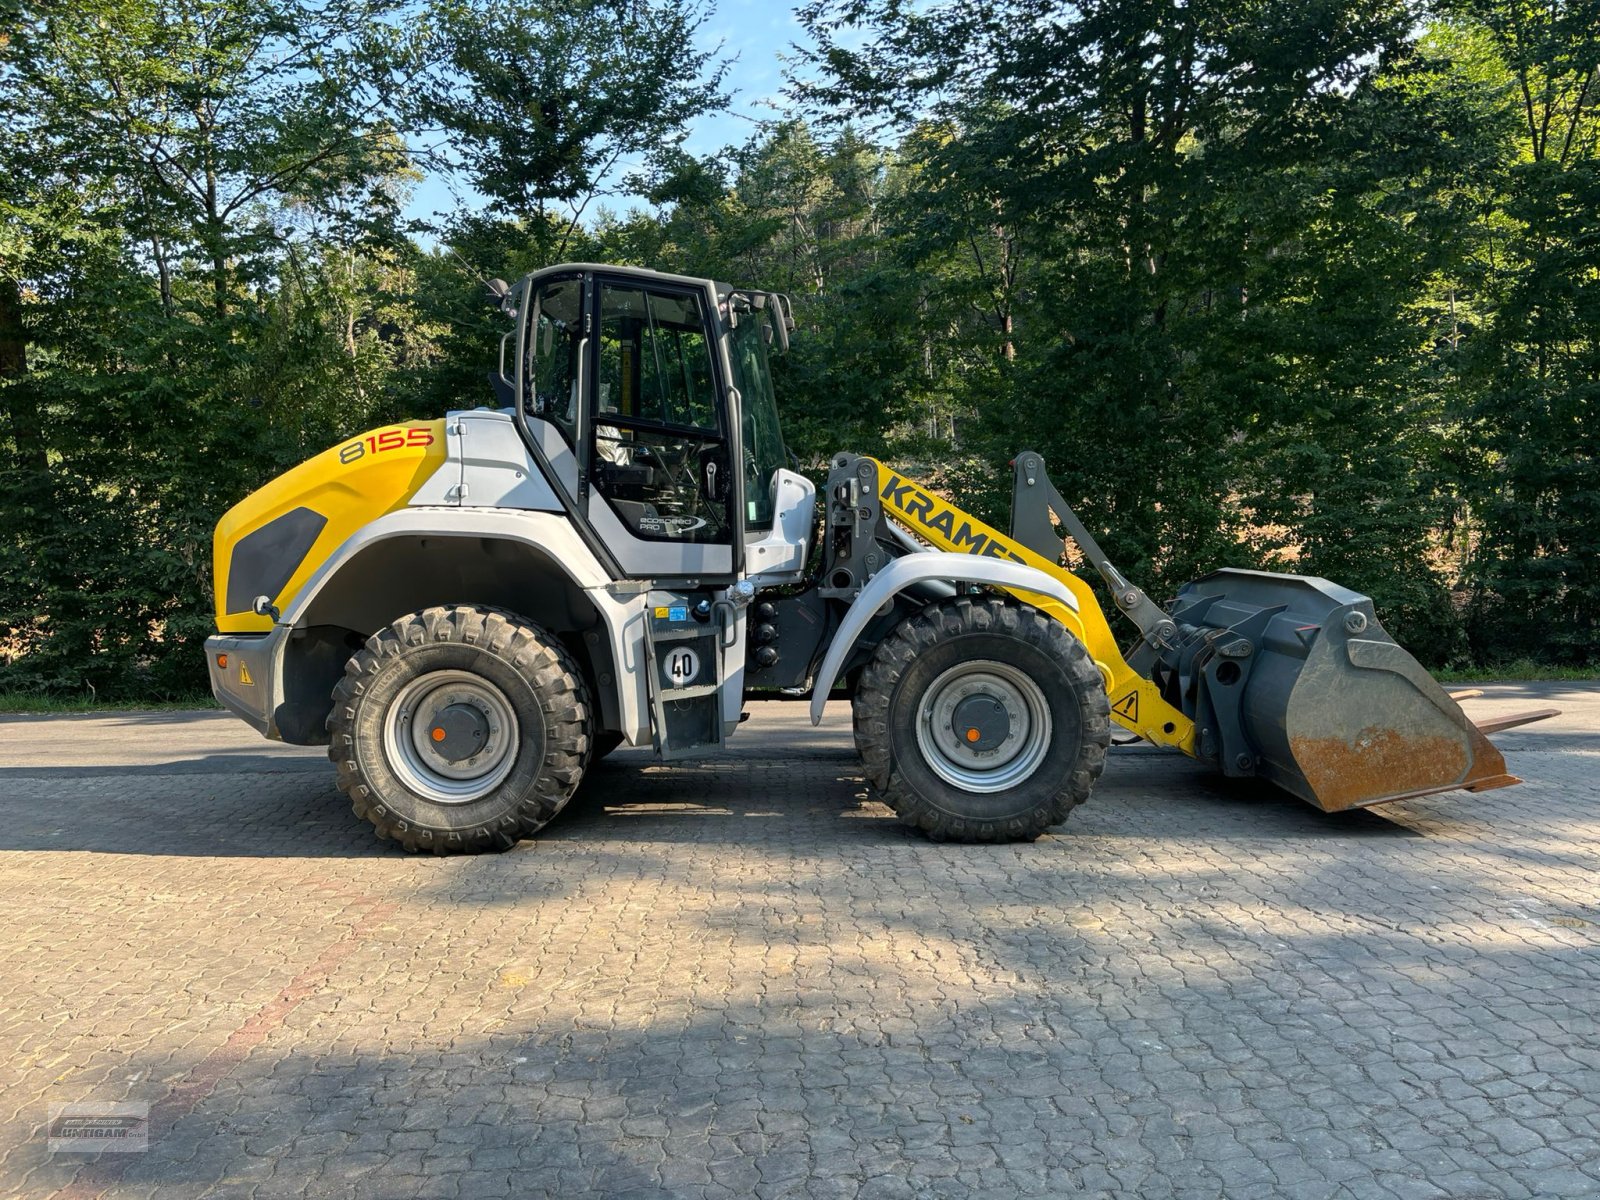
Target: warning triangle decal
{"type": "Point", "coordinates": [1127, 707]}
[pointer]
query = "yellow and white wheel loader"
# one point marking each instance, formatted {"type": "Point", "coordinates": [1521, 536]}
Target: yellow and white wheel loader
{"type": "Point", "coordinates": [468, 611]}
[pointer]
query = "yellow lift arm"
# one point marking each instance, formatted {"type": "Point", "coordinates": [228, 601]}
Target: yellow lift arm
{"type": "Point", "coordinates": [1136, 704]}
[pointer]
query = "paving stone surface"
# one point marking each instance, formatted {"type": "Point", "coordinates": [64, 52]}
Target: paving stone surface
{"type": "Point", "coordinates": [741, 978]}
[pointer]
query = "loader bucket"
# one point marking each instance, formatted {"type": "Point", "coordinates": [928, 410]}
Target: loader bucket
{"type": "Point", "coordinates": [1292, 679]}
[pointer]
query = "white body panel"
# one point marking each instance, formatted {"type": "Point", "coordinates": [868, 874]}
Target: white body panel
{"type": "Point", "coordinates": [779, 555]}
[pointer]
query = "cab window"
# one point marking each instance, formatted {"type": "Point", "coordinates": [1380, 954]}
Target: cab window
{"type": "Point", "coordinates": [659, 453]}
{"type": "Point", "coordinates": [655, 360]}
{"type": "Point", "coordinates": [550, 355]}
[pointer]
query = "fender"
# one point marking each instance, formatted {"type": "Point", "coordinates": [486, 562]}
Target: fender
{"type": "Point", "coordinates": [551, 533]}
{"type": "Point", "coordinates": [920, 568]}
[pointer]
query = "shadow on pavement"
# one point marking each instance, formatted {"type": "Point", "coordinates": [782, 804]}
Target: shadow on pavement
{"type": "Point", "coordinates": [220, 763]}
{"type": "Point", "coordinates": [850, 1027]}
{"type": "Point", "coordinates": [255, 805]}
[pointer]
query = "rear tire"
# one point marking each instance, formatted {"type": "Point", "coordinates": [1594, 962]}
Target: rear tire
{"type": "Point", "coordinates": [460, 729]}
{"type": "Point", "coordinates": [982, 720]}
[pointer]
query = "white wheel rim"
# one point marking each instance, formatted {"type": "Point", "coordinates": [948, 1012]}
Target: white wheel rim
{"type": "Point", "coordinates": [408, 737]}
{"type": "Point", "coordinates": [996, 768]}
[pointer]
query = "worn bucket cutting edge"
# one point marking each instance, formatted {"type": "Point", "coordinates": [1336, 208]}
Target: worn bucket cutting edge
{"type": "Point", "coordinates": [1339, 713]}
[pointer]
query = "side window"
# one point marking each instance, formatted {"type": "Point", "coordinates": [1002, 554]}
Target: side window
{"type": "Point", "coordinates": [655, 361]}
{"type": "Point", "coordinates": [550, 355]}
{"type": "Point", "coordinates": [660, 456]}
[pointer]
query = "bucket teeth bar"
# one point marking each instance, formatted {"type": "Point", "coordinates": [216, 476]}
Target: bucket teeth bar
{"type": "Point", "coordinates": [1513, 720]}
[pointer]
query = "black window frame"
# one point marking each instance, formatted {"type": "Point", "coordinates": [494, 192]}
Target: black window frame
{"type": "Point", "coordinates": [525, 322]}
{"type": "Point", "coordinates": [589, 397]}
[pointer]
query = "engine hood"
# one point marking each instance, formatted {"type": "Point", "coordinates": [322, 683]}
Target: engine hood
{"type": "Point", "coordinates": [271, 542]}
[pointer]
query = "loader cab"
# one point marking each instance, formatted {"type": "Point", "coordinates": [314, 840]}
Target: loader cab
{"type": "Point", "coordinates": [648, 400]}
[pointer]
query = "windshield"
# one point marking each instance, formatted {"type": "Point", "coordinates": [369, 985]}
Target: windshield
{"type": "Point", "coordinates": [763, 441]}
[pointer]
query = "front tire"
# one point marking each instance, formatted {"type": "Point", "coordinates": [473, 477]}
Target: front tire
{"type": "Point", "coordinates": [460, 729]}
{"type": "Point", "coordinates": [982, 720]}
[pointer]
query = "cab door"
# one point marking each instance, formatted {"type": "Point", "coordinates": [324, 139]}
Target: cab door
{"type": "Point", "coordinates": [657, 485]}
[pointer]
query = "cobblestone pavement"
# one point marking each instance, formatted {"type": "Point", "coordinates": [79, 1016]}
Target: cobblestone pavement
{"type": "Point", "coordinates": [741, 978]}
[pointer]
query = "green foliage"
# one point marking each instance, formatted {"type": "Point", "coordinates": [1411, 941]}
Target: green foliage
{"type": "Point", "coordinates": [203, 281]}
{"type": "Point", "coordinates": [539, 102]}
{"type": "Point", "coordinates": [1531, 375]}
{"type": "Point", "coordinates": [1218, 265]}
{"type": "Point", "coordinates": [1307, 286]}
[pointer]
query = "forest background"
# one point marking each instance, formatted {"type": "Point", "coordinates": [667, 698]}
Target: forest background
{"type": "Point", "coordinates": [1311, 285]}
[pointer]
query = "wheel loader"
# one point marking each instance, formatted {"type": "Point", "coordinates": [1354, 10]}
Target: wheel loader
{"type": "Point", "coordinates": [469, 611]}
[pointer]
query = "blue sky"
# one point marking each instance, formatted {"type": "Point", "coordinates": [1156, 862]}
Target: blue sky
{"type": "Point", "coordinates": [757, 34]}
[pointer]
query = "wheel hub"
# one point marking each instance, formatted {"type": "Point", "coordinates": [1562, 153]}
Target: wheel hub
{"type": "Point", "coordinates": [451, 736]}
{"type": "Point", "coordinates": [983, 726]}
{"type": "Point", "coordinates": [981, 721]}
{"type": "Point", "coordinates": [459, 732]}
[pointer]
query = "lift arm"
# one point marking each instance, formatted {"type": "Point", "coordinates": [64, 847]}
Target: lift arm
{"type": "Point", "coordinates": [1136, 703]}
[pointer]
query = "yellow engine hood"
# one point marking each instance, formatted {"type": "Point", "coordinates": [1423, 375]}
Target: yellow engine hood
{"type": "Point", "coordinates": [274, 539]}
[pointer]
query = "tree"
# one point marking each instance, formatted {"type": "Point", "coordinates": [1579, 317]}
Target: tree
{"type": "Point", "coordinates": [1532, 366]}
{"type": "Point", "coordinates": [209, 112]}
{"type": "Point", "coordinates": [1192, 242]}
{"type": "Point", "coordinates": [1307, 286]}
{"type": "Point", "coordinates": [540, 104]}
{"type": "Point", "coordinates": [161, 157]}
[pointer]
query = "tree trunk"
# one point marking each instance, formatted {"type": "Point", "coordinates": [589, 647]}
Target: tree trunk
{"type": "Point", "coordinates": [20, 404]}
{"type": "Point", "coordinates": [13, 343]}
{"type": "Point", "coordinates": [1006, 288]}
{"type": "Point", "coordinates": [216, 243]}
{"type": "Point", "coordinates": [163, 273]}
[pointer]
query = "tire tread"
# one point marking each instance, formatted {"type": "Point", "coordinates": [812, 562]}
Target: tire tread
{"type": "Point", "coordinates": [920, 633]}
{"type": "Point", "coordinates": [542, 660]}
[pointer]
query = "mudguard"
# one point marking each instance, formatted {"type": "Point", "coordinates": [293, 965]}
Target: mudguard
{"type": "Point", "coordinates": [900, 574]}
